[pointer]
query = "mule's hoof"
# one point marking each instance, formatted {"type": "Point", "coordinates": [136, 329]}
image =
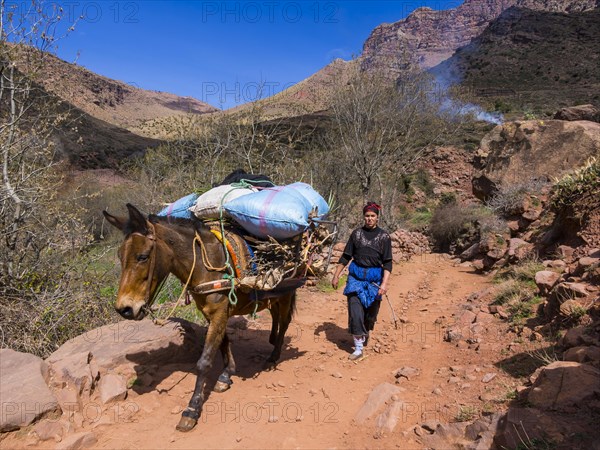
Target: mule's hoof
{"type": "Point", "coordinates": [269, 365]}
{"type": "Point", "coordinates": [221, 386]}
{"type": "Point", "coordinates": [186, 424]}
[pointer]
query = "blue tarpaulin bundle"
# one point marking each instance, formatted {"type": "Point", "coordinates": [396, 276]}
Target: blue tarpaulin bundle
{"type": "Point", "coordinates": [180, 208]}
{"type": "Point", "coordinates": [281, 212]}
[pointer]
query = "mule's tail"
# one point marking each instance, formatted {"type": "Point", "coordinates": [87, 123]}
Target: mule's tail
{"type": "Point", "coordinates": [293, 305]}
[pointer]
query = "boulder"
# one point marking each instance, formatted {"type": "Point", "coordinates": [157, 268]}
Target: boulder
{"type": "Point", "coordinates": [565, 386]}
{"type": "Point", "coordinates": [570, 308]}
{"type": "Point", "coordinates": [532, 150]}
{"type": "Point", "coordinates": [570, 290]}
{"type": "Point", "coordinates": [566, 252]}
{"type": "Point", "coordinates": [129, 343]}
{"type": "Point", "coordinates": [73, 377]}
{"type": "Point", "coordinates": [50, 429]}
{"type": "Point", "coordinates": [518, 249]}
{"type": "Point", "coordinates": [466, 317]}
{"type": "Point", "coordinates": [470, 253]}
{"type": "Point", "coordinates": [579, 112]}
{"type": "Point", "coordinates": [520, 425]}
{"type": "Point", "coordinates": [532, 214]}
{"type": "Point", "coordinates": [494, 245]}
{"type": "Point", "coordinates": [109, 356]}
{"type": "Point", "coordinates": [557, 264]}
{"type": "Point", "coordinates": [574, 337]}
{"type": "Point", "coordinates": [584, 264]}
{"type": "Point", "coordinates": [545, 280]}
{"type": "Point", "coordinates": [25, 395]}
{"type": "Point", "coordinates": [583, 354]}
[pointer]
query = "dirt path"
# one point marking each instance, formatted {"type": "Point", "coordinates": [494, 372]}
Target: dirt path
{"type": "Point", "coordinates": [311, 399]}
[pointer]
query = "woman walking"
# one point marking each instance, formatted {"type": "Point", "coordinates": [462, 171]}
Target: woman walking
{"type": "Point", "coordinates": [370, 249]}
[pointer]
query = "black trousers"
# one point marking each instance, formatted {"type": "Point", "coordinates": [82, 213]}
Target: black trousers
{"type": "Point", "coordinates": [361, 320]}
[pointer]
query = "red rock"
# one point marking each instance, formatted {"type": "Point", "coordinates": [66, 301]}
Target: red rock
{"type": "Point", "coordinates": [579, 112]}
{"type": "Point", "coordinates": [563, 385]}
{"type": "Point", "coordinates": [49, 429]}
{"type": "Point", "coordinates": [478, 264]}
{"type": "Point", "coordinates": [23, 390]}
{"type": "Point", "coordinates": [570, 308]}
{"type": "Point", "coordinates": [466, 317]}
{"type": "Point", "coordinates": [387, 420]}
{"type": "Point", "coordinates": [570, 290]}
{"type": "Point", "coordinates": [545, 280]}
{"type": "Point", "coordinates": [566, 252]}
{"type": "Point", "coordinates": [377, 398]}
{"type": "Point", "coordinates": [556, 264]}
{"type": "Point", "coordinates": [583, 354]}
{"type": "Point", "coordinates": [584, 264]}
{"type": "Point", "coordinates": [573, 337]}
{"type": "Point", "coordinates": [77, 441]}
{"type": "Point", "coordinates": [112, 388]}
{"type": "Point", "coordinates": [532, 149]}
{"type": "Point", "coordinates": [483, 317]}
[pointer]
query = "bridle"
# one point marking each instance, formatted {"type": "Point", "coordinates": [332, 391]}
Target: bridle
{"type": "Point", "coordinates": [152, 259]}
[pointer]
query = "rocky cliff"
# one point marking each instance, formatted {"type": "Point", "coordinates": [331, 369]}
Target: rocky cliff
{"type": "Point", "coordinates": [427, 37]}
{"type": "Point", "coordinates": [532, 60]}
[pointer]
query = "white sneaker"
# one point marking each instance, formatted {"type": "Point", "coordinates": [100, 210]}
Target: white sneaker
{"type": "Point", "coordinates": [356, 356]}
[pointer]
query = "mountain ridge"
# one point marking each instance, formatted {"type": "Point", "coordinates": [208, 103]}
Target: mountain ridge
{"type": "Point", "coordinates": [425, 38]}
{"type": "Point", "coordinates": [110, 100]}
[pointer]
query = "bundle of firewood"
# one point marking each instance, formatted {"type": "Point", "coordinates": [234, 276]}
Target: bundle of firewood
{"type": "Point", "coordinates": [299, 257]}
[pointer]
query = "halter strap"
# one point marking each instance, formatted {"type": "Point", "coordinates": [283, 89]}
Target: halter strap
{"type": "Point", "coordinates": [152, 236]}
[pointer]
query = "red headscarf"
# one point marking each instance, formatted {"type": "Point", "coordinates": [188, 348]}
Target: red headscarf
{"type": "Point", "coordinates": [372, 206]}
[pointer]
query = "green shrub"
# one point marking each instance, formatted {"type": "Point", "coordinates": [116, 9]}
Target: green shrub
{"type": "Point", "coordinates": [524, 309]}
{"type": "Point", "coordinates": [78, 298]}
{"type": "Point", "coordinates": [570, 187]}
{"type": "Point", "coordinates": [509, 291]}
{"type": "Point", "coordinates": [466, 414]}
{"type": "Point", "coordinates": [451, 220]}
{"type": "Point", "coordinates": [420, 219]}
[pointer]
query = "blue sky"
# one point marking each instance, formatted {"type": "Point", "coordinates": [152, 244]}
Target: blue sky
{"type": "Point", "coordinates": [220, 51]}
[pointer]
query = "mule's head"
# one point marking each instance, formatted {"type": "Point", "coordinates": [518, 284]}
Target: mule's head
{"type": "Point", "coordinates": [141, 270]}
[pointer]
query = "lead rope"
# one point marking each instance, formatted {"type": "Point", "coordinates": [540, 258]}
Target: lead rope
{"type": "Point", "coordinates": [162, 322]}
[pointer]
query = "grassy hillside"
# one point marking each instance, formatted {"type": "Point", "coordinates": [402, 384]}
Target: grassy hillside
{"type": "Point", "coordinates": [531, 61]}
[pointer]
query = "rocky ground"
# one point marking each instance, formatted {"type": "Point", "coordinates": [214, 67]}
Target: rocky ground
{"type": "Point", "coordinates": [419, 387]}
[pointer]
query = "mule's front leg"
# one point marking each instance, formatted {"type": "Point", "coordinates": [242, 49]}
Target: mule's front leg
{"type": "Point", "coordinates": [214, 337]}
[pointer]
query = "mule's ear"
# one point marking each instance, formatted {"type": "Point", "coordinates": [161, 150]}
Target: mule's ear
{"type": "Point", "coordinates": [137, 221]}
{"type": "Point", "coordinates": [118, 222]}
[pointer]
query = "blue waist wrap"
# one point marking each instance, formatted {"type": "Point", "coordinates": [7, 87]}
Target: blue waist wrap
{"type": "Point", "coordinates": [364, 282]}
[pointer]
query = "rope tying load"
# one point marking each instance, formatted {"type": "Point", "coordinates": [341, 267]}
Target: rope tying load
{"type": "Point", "coordinates": [259, 265]}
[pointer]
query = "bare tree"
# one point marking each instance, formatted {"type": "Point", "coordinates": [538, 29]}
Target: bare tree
{"type": "Point", "coordinates": [383, 127]}
{"type": "Point", "coordinates": [28, 118]}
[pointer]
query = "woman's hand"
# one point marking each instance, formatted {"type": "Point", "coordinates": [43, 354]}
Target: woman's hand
{"type": "Point", "coordinates": [382, 290]}
{"type": "Point", "coordinates": [335, 281]}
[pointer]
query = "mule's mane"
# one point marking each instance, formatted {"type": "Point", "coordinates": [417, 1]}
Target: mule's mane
{"type": "Point", "coordinates": [192, 224]}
